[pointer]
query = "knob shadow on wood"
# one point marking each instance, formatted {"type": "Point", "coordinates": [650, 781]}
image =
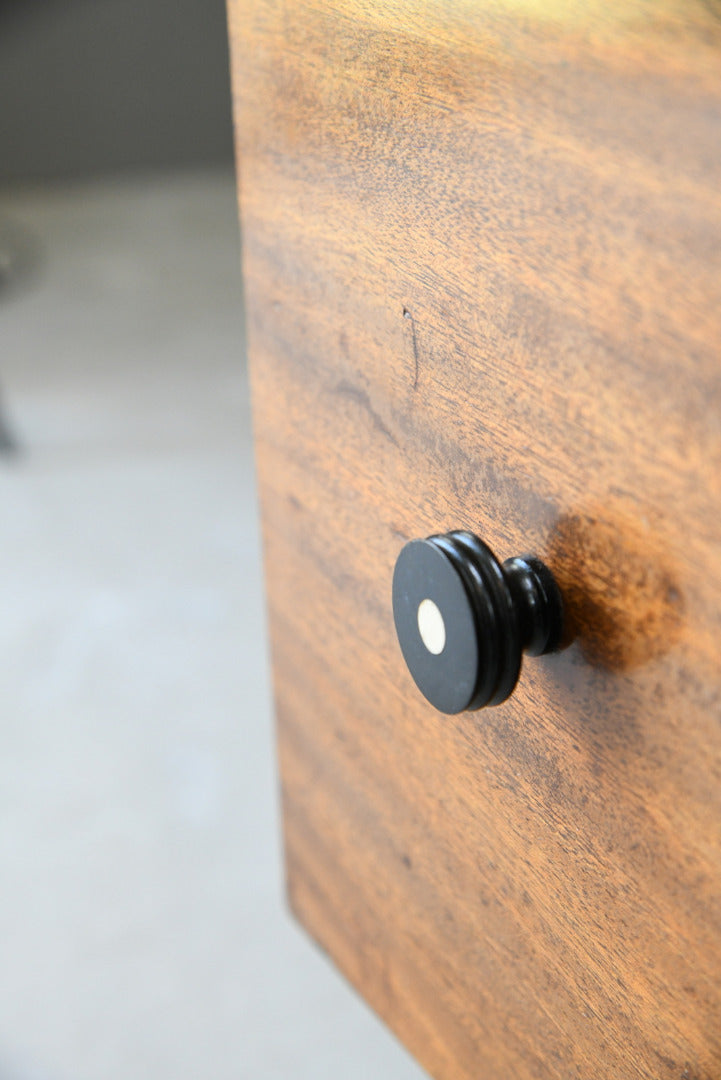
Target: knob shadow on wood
{"type": "Point", "coordinates": [623, 603]}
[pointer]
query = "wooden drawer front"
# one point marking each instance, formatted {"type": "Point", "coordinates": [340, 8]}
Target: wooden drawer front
{"type": "Point", "coordinates": [482, 247]}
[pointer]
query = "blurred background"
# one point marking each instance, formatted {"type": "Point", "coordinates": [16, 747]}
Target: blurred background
{"type": "Point", "coordinates": [143, 932]}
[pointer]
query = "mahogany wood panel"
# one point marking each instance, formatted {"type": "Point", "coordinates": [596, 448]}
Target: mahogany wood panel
{"type": "Point", "coordinates": [482, 251]}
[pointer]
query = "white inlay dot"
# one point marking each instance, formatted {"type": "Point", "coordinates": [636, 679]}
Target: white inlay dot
{"type": "Point", "coordinates": [431, 627]}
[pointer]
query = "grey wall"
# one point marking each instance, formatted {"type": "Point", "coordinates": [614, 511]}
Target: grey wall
{"type": "Point", "coordinates": [93, 86]}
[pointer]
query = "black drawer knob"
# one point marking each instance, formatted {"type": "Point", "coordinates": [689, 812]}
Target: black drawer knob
{"type": "Point", "coordinates": [464, 619]}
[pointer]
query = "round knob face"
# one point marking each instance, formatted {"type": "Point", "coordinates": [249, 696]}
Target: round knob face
{"type": "Point", "coordinates": [463, 619]}
{"type": "Point", "coordinates": [435, 626]}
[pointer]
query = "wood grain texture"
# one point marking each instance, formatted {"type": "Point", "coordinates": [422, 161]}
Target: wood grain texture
{"type": "Point", "coordinates": [482, 250]}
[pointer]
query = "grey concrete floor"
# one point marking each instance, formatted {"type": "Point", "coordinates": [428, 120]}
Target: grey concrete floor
{"type": "Point", "coordinates": [143, 932]}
